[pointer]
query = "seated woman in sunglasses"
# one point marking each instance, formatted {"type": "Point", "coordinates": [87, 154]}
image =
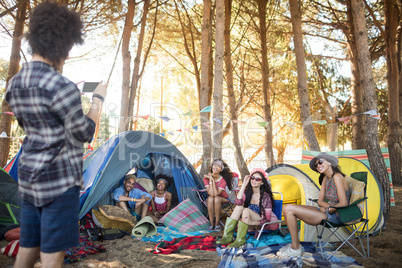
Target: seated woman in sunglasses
{"type": "Point", "coordinates": [254, 204]}
{"type": "Point", "coordinates": [335, 190]}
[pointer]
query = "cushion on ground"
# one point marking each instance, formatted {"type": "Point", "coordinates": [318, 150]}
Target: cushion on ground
{"type": "Point", "coordinates": [11, 249]}
{"type": "Point", "coordinates": [117, 214]}
{"type": "Point", "coordinates": [185, 217]}
{"type": "Point", "coordinates": [108, 223]}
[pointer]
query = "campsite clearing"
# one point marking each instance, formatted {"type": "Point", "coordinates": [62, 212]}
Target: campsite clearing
{"type": "Point", "coordinates": [385, 250]}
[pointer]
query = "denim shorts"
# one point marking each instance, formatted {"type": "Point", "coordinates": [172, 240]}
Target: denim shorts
{"type": "Point", "coordinates": [53, 227]}
{"type": "Point", "coordinates": [334, 218]}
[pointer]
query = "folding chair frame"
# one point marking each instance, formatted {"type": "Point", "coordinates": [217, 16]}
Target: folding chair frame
{"type": "Point", "coordinates": [278, 213]}
{"type": "Point", "coordinates": [352, 225]}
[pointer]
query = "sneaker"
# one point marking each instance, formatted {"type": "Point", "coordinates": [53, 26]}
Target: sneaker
{"type": "Point", "coordinates": [288, 252]}
{"type": "Point", "coordinates": [218, 228]}
{"type": "Point", "coordinates": [211, 227]}
{"type": "Point", "coordinates": [285, 247]}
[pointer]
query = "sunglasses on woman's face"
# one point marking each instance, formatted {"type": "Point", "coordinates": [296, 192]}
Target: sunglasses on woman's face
{"type": "Point", "coordinates": [319, 162]}
{"type": "Point", "coordinates": [256, 179]}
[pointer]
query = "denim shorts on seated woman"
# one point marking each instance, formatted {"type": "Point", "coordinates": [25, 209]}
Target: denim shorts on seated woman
{"type": "Point", "coordinates": [333, 218]}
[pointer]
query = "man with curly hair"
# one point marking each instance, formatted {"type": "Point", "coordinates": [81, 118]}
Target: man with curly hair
{"type": "Point", "coordinates": [48, 107]}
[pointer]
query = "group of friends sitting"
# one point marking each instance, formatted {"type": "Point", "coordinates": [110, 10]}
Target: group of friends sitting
{"type": "Point", "coordinates": [141, 203]}
{"type": "Point", "coordinates": [254, 201]}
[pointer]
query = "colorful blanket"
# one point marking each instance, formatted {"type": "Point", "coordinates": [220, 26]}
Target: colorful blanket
{"type": "Point", "coordinates": [169, 233]}
{"type": "Point", "coordinates": [86, 247]}
{"type": "Point", "coordinates": [178, 244]}
{"type": "Point", "coordinates": [266, 257]}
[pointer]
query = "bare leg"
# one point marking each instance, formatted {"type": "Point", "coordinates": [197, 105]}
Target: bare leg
{"type": "Point", "coordinates": [211, 209]}
{"type": "Point", "coordinates": [217, 209]}
{"type": "Point", "coordinates": [308, 214]}
{"type": "Point", "coordinates": [123, 205]}
{"type": "Point", "coordinates": [237, 212]}
{"type": "Point", "coordinates": [50, 260]}
{"type": "Point", "coordinates": [26, 257]}
{"type": "Point", "coordinates": [144, 210]}
{"type": "Point", "coordinates": [153, 217]}
{"type": "Point", "coordinates": [250, 217]}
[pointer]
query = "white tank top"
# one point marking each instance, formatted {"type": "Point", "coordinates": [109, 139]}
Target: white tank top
{"type": "Point", "coordinates": [159, 200]}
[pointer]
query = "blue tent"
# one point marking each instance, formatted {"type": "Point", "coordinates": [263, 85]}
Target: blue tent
{"type": "Point", "coordinates": [149, 154]}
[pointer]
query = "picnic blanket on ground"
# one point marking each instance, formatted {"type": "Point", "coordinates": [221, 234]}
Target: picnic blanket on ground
{"type": "Point", "coordinates": [176, 245]}
{"type": "Point", "coordinates": [169, 233]}
{"type": "Point", "coordinates": [266, 257]}
{"type": "Point", "coordinates": [86, 247]}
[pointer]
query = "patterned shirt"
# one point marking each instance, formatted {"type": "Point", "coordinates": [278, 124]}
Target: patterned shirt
{"type": "Point", "coordinates": [48, 107]}
{"type": "Point", "coordinates": [331, 194]}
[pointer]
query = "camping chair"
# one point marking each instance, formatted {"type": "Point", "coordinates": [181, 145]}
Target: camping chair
{"type": "Point", "coordinates": [356, 226]}
{"type": "Point", "coordinates": [227, 207]}
{"type": "Point", "coordinates": [278, 212]}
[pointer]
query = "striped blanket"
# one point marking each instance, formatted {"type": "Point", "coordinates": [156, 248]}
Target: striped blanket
{"type": "Point", "coordinates": [266, 257]}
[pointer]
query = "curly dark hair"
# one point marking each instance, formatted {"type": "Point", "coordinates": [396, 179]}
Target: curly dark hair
{"type": "Point", "coordinates": [53, 30]}
{"type": "Point", "coordinates": [165, 177]}
{"type": "Point", "coordinates": [226, 173]}
{"type": "Point", "coordinates": [264, 189]}
{"type": "Point", "coordinates": [336, 169]}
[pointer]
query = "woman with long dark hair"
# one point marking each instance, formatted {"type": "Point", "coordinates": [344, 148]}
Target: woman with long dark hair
{"type": "Point", "coordinates": [335, 189]}
{"type": "Point", "coordinates": [215, 182]}
{"type": "Point", "coordinates": [254, 206]}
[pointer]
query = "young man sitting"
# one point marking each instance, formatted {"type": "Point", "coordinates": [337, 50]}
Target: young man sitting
{"type": "Point", "coordinates": [132, 199]}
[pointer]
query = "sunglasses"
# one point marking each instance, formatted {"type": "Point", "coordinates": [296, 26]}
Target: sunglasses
{"type": "Point", "coordinates": [319, 162]}
{"type": "Point", "coordinates": [256, 179]}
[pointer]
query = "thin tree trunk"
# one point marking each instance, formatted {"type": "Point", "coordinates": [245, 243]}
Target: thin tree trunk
{"type": "Point", "coordinates": [125, 51]}
{"type": "Point", "coordinates": [5, 118]}
{"type": "Point", "coordinates": [394, 125]}
{"type": "Point", "coordinates": [358, 128]}
{"type": "Point", "coordinates": [332, 134]}
{"type": "Point", "coordinates": [305, 114]}
{"type": "Point", "coordinates": [204, 94]}
{"type": "Point", "coordinates": [218, 80]}
{"type": "Point", "coordinates": [375, 157]}
{"type": "Point", "coordinates": [135, 78]}
{"type": "Point", "coordinates": [262, 14]}
{"type": "Point", "coordinates": [241, 164]}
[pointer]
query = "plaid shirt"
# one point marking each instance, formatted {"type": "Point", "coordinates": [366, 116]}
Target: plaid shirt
{"type": "Point", "coordinates": [48, 107]}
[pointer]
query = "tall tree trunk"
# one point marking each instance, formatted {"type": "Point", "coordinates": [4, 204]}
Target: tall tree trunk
{"type": "Point", "coordinates": [262, 15]}
{"type": "Point", "coordinates": [375, 157]}
{"type": "Point", "coordinates": [5, 118]}
{"type": "Point", "coordinates": [241, 164]}
{"type": "Point", "coordinates": [135, 78]}
{"type": "Point", "coordinates": [305, 113]}
{"type": "Point", "coordinates": [125, 51]}
{"type": "Point", "coordinates": [394, 125]}
{"type": "Point", "coordinates": [204, 94]}
{"type": "Point", "coordinates": [332, 129]}
{"type": "Point", "coordinates": [218, 80]}
{"type": "Point", "coordinates": [358, 128]}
